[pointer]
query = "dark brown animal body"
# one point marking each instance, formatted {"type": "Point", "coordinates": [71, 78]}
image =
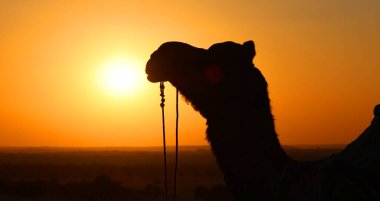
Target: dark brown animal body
{"type": "Point", "coordinates": [227, 89]}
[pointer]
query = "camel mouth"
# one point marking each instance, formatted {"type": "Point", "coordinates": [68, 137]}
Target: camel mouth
{"type": "Point", "coordinates": [155, 75]}
{"type": "Point", "coordinates": [155, 78]}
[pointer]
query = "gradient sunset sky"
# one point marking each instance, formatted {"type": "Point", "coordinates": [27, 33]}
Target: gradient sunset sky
{"type": "Point", "coordinates": [321, 59]}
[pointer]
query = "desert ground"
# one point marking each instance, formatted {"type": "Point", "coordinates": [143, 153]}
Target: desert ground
{"type": "Point", "coordinates": [102, 174]}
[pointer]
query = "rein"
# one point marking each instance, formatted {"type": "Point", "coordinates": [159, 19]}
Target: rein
{"type": "Point", "coordinates": [162, 94]}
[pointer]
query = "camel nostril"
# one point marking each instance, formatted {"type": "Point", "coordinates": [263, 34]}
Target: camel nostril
{"type": "Point", "coordinates": [147, 68]}
{"type": "Point", "coordinates": [376, 111]}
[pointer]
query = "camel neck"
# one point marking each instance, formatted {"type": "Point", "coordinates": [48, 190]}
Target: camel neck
{"type": "Point", "coordinates": [246, 147]}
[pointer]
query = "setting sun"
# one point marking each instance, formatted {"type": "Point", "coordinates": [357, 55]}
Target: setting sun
{"type": "Point", "coordinates": [120, 77]}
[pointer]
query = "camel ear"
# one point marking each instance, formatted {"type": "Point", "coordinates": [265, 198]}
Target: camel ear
{"type": "Point", "coordinates": [249, 49]}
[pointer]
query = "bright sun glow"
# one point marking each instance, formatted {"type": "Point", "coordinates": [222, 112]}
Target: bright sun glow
{"type": "Point", "coordinates": [120, 77]}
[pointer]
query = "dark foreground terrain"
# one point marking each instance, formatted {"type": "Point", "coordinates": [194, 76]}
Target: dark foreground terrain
{"type": "Point", "coordinates": [112, 174]}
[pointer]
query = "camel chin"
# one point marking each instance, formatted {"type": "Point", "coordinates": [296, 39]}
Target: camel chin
{"type": "Point", "coordinates": [155, 78]}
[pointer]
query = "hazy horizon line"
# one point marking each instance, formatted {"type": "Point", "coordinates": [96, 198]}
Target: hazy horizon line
{"type": "Point", "coordinates": [160, 147]}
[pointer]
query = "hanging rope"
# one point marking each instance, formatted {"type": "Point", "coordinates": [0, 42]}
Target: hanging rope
{"type": "Point", "coordinates": [162, 94]}
{"type": "Point", "coordinates": [162, 88]}
{"type": "Point", "coordinates": [176, 145]}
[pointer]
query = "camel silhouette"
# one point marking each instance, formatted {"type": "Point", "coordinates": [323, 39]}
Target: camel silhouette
{"type": "Point", "coordinates": [223, 84]}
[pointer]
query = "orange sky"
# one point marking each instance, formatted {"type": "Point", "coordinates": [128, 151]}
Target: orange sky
{"type": "Point", "coordinates": [321, 59]}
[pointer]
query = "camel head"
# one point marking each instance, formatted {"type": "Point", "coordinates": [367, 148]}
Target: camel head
{"type": "Point", "coordinates": [208, 79]}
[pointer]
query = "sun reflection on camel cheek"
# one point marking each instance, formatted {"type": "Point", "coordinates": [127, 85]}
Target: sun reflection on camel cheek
{"type": "Point", "coordinates": [213, 74]}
